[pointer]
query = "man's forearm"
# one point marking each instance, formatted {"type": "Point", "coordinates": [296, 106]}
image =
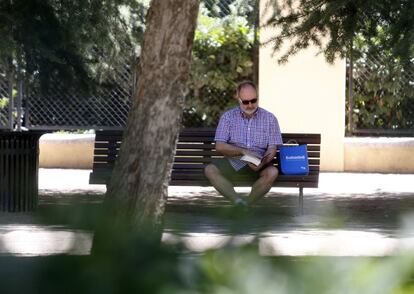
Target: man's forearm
{"type": "Point", "coordinates": [229, 150]}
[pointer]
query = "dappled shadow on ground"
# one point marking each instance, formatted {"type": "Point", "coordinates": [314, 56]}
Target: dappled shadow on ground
{"type": "Point", "coordinates": [74, 210]}
{"type": "Point", "coordinates": [206, 211]}
{"type": "Point", "coordinates": [69, 198]}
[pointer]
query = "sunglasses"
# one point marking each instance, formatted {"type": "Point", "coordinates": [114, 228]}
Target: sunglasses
{"type": "Point", "coordinates": [246, 102]}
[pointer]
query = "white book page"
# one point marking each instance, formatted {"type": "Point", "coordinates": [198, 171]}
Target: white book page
{"type": "Point", "coordinates": [251, 159]}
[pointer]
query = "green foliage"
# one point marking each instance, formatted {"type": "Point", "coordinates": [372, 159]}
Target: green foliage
{"type": "Point", "coordinates": [70, 43]}
{"type": "Point", "coordinates": [4, 102]}
{"type": "Point", "coordinates": [382, 100]}
{"type": "Point", "coordinates": [243, 271]}
{"type": "Point", "coordinates": [222, 57]}
{"type": "Point", "coordinates": [137, 265]}
{"type": "Point", "coordinates": [223, 8]}
{"type": "Point", "coordinates": [332, 25]}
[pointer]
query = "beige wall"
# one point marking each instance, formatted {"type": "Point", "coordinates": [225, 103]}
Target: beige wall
{"type": "Point", "coordinates": [66, 151]}
{"type": "Point", "coordinates": [307, 95]}
{"type": "Point", "coordinates": [382, 155]}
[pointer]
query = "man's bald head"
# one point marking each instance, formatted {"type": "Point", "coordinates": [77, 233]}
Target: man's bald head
{"type": "Point", "coordinates": [245, 85]}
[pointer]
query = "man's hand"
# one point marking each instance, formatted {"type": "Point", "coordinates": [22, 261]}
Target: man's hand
{"type": "Point", "coordinates": [258, 167]}
{"type": "Point", "coordinates": [268, 157]}
{"type": "Point", "coordinates": [254, 167]}
{"type": "Point", "coordinates": [251, 165]}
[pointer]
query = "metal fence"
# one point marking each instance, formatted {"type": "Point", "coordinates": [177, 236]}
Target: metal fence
{"type": "Point", "coordinates": [108, 108]}
{"type": "Point", "coordinates": [380, 93]}
{"type": "Point", "coordinates": [4, 101]}
{"type": "Point", "coordinates": [64, 110]}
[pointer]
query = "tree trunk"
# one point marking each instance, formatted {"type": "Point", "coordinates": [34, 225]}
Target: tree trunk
{"type": "Point", "coordinates": [137, 192]}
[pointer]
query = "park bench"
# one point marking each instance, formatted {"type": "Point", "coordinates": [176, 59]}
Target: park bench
{"type": "Point", "coordinates": [195, 149]}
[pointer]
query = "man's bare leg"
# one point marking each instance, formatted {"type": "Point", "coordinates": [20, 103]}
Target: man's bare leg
{"type": "Point", "coordinates": [222, 185]}
{"type": "Point", "coordinates": [267, 176]}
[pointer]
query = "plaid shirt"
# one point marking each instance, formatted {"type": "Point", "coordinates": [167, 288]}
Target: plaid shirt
{"type": "Point", "coordinates": [256, 134]}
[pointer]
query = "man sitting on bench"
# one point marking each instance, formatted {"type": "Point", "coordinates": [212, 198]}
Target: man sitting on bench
{"type": "Point", "coordinates": [245, 130]}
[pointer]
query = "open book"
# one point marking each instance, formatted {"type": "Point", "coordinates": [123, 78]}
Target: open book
{"type": "Point", "coordinates": [251, 159]}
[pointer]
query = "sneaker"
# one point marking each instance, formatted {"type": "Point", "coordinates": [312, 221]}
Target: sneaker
{"type": "Point", "coordinates": [240, 209]}
{"type": "Point", "coordinates": [240, 203]}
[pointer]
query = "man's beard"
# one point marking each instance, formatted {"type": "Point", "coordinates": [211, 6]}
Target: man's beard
{"type": "Point", "coordinates": [249, 111]}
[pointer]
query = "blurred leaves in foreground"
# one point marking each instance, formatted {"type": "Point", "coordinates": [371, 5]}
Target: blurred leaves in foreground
{"type": "Point", "coordinates": [132, 263]}
{"type": "Point", "coordinates": [138, 264]}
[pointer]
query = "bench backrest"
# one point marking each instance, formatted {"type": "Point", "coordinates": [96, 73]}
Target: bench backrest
{"type": "Point", "coordinates": [195, 149]}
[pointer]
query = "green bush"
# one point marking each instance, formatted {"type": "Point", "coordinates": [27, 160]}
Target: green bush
{"type": "Point", "coordinates": [383, 86]}
{"type": "Point", "coordinates": [222, 57]}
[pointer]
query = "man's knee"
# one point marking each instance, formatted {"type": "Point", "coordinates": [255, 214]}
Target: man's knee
{"type": "Point", "coordinates": [270, 173]}
{"type": "Point", "coordinates": [210, 170]}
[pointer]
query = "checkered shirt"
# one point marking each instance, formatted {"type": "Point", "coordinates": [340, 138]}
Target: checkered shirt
{"type": "Point", "coordinates": [256, 134]}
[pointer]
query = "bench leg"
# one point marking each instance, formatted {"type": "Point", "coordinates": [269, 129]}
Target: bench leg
{"type": "Point", "coordinates": [300, 200]}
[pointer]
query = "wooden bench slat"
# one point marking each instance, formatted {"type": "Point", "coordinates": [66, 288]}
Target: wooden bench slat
{"type": "Point", "coordinates": [312, 161]}
{"type": "Point", "coordinates": [190, 145]}
{"type": "Point", "coordinates": [196, 139]}
{"type": "Point", "coordinates": [104, 159]}
{"type": "Point", "coordinates": [312, 168]}
{"type": "Point", "coordinates": [196, 153]}
{"type": "Point", "coordinates": [209, 135]}
{"type": "Point", "coordinates": [112, 140]}
{"type": "Point", "coordinates": [308, 178]}
{"type": "Point", "coordinates": [111, 152]}
{"type": "Point", "coordinates": [181, 168]}
{"type": "Point", "coordinates": [184, 164]}
{"type": "Point", "coordinates": [106, 145]}
{"type": "Point", "coordinates": [246, 184]}
{"type": "Point", "coordinates": [103, 152]}
{"type": "Point", "coordinates": [205, 183]}
{"type": "Point", "coordinates": [183, 145]}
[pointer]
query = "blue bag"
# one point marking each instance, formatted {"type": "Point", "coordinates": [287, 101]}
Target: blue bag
{"type": "Point", "coordinates": [294, 160]}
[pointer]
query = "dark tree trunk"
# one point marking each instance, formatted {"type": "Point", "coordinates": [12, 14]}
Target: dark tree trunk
{"type": "Point", "coordinates": [137, 192]}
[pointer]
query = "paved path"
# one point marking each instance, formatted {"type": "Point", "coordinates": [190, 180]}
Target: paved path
{"type": "Point", "coordinates": [348, 215]}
